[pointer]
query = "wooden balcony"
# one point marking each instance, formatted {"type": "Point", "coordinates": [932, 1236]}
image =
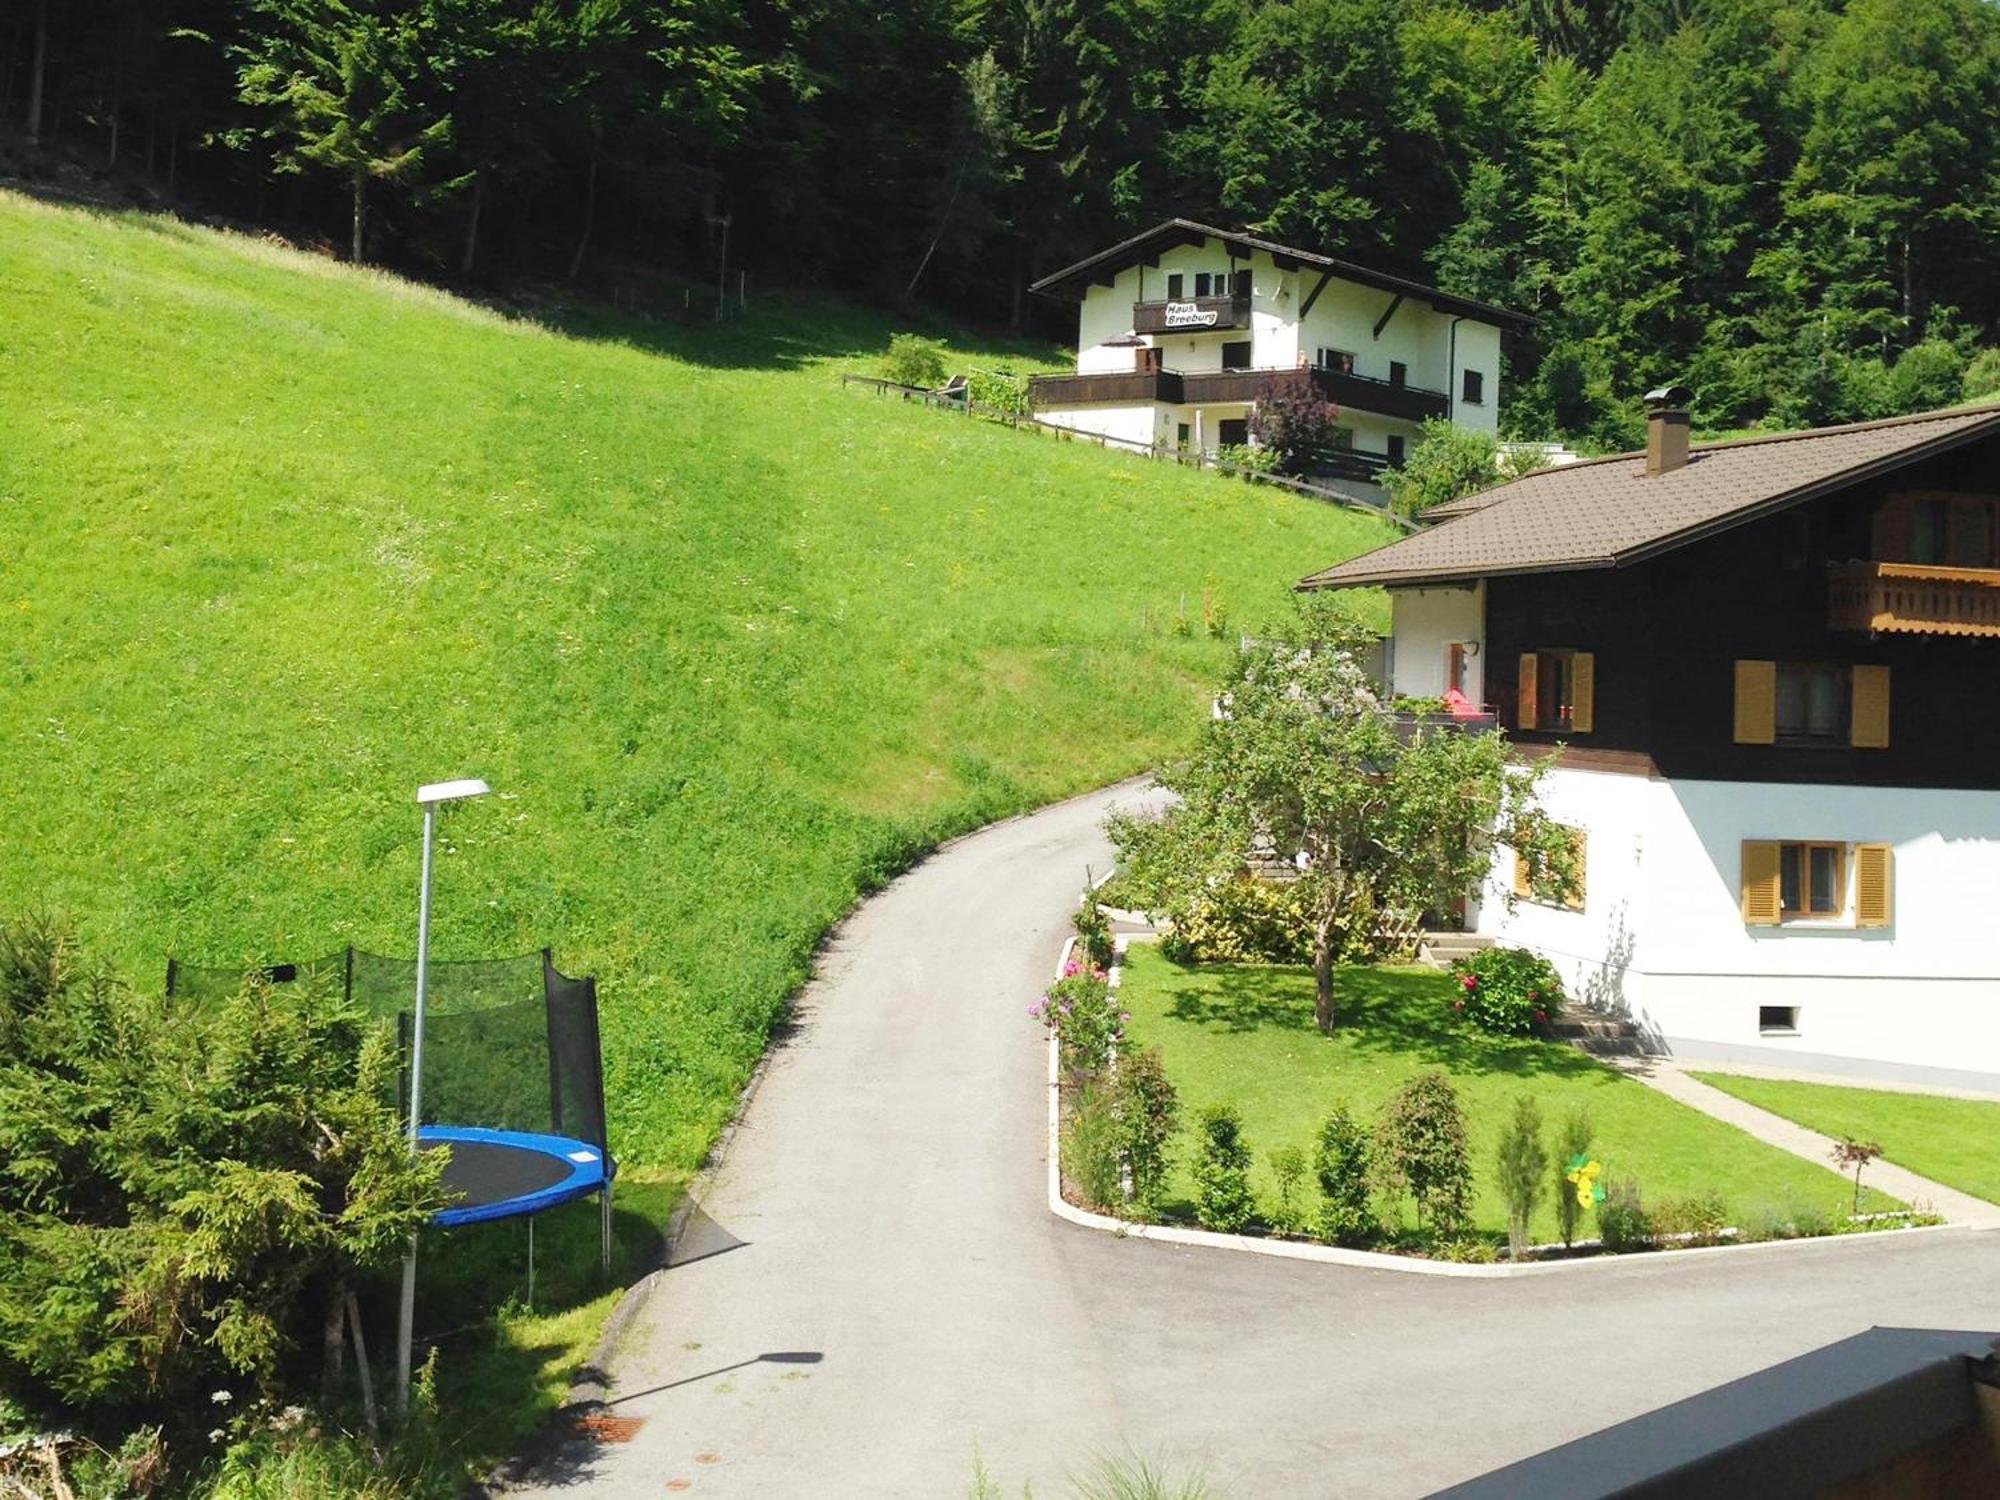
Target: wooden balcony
{"type": "Point", "coordinates": [1913, 599]}
{"type": "Point", "coordinates": [1411, 403]}
{"type": "Point", "coordinates": [1126, 387]}
{"type": "Point", "coordinates": [1191, 315]}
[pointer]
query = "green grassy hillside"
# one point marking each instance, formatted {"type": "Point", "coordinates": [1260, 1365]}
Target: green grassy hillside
{"type": "Point", "coordinates": [280, 540]}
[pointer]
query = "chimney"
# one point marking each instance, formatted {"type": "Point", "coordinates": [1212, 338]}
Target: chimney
{"type": "Point", "coordinates": [1667, 429]}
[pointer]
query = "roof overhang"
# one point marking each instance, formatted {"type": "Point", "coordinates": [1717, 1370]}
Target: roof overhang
{"type": "Point", "coordinates": [1146, 247]}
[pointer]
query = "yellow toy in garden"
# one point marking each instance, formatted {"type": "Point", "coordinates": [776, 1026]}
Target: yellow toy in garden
{"type": "Point", "coordinates": [1582, 1175]}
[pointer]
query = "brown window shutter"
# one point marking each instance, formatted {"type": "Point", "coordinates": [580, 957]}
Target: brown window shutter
{"type": "Point", "coordinates": [1526, 717]}
{"type": "Point", "coordinates": [1892, 531]}
{"type": "Point", "coordinates": [1756, 702]}
{"type": "Point", "coordinates": [1579, 843]}
{"type": "Point", "coordinates": [1761, 890]}
{"type": "Point", "coordinates": [1583, 692]}
{"type": "Point", "coordinates": [1874, 880]}
{"type": "Point", "coordinates": [1868, 723]}
{"type": "Point", "coordinates": [1521, 882]}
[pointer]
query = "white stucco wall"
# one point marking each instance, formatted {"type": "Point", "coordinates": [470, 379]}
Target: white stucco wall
{"type": "Point", "coordinates": [1144, 425]}
{"type": "Point", "coordinates": [1662, 938]}
{"type": "Point", "coordinates": [1424, 623]}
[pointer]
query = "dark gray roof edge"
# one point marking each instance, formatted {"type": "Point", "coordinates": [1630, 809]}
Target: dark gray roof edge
{"type": "Point", "coordinates": [1503, 317]}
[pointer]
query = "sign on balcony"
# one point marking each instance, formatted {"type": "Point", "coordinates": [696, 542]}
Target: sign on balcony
{"type": "Point", "coordinates": [1190, 315]}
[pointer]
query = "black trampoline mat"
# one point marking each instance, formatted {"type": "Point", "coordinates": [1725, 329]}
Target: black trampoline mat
{"type": "Point", "coordinates": [483, 1172]}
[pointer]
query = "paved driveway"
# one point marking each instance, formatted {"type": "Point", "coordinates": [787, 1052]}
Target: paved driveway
{"type": "Point", "coordinates": [880, 1218]}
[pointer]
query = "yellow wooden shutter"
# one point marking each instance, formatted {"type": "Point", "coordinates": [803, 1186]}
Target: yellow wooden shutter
{"type": "Point", "coordinates": [1583, 692]}
{"type": "Point", "coordinates": [1869, 722]}
{"type": "Point", "coordinates": [1874, 882]}
{"type": "Point", "coordinates": [1521, 883]}
{"type": "Point", "coordinates": [1579, 843]}
{"type": "Point", "coordinates": [1761, 888]}
{"type": "Point", "coordinates": [1531, 669]}
{"type": "Point", "coordinates": [1756, 702]}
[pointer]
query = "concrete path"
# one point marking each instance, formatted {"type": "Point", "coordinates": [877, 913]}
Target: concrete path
{"type": "Point", "coordinates": [878, 1285]}
{"type": "Point", "coordinates": [1899, 1182]}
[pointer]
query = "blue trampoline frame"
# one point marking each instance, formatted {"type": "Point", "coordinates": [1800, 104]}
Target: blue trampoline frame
{"type": "Point", "coordinates": [589, 1171]}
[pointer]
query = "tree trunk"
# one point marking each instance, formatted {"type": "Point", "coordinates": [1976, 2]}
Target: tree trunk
{"type": "Point", "coordinates": [332, 1344]}
{"type": "Point", "coordinates": [589, 210]}
{"type": "Point", "coordinates": [472, 225]}
{"type": "Point", "coordinates": [36, 69]}
{"type": "Point", "coordinates": [1018, 292]}
{"type": "Point", "coordinates": [1323, 974]}
{"type": "Point", "coordinates": [360, 213]}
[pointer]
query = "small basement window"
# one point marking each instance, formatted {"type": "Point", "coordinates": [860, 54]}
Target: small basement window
{"type": "Point", "coordinates": [1778, 1020]}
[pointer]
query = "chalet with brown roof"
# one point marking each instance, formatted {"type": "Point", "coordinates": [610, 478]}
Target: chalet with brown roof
{"type": "Point", "coordinates": [1773, 667]}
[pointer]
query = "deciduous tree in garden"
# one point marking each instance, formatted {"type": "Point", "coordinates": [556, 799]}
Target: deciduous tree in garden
{"type": "Point", "coordinates": [1303, 760]}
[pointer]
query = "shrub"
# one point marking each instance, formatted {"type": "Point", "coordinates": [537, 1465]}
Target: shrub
{"type": "Point", "coordinates": [1090, 1148]}
{"type": "Point", "coordinates": [1001, 390]}
{"type": "Point", "coordinates": [1621, 1217]}
{"type": "Point", "coordinates": [1238, 920]}
{"type": "Point", "coordinates": [1079, 1009]}
{"type": "Point", "coordinates": [1288, 1170]}
{"type": "Point", "coordinates": [1849, 1152]}
{"type": "Point", "coordinates": [1507, 991]}
{"type": "Point", "coordinates": [1222, 1171]}
{"type": "Point", "coordinates": [1093, 933]}
{"type": "Point", "coordinates": [1447, 462]}
{"type": "Point", "coordinates": [1572, 1154]}
{"type": "Point", "coordinates": [1523, 1163]}
{"type": "Point", "coordinates": [1420, 1142]}
{"type": "Point", "coordinates": [914, 360]}
{"type": "Point", "coordinates": [1249, 456]}
{"type": "Point", "coordinates": [1294, 423]}
{"type": "Point", "coordinates": [1982, 376]}
{"type": "Point", "coordinates": [1698, 1220]}
{"type": "Point", "coordinates": [1340, 1163]}
{"type": "Point", "coordinates": [1148, 1113]}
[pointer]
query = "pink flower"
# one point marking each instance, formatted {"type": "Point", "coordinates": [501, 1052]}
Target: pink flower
{"type": "Point", "coordinates": [1458, 1005]}
{"type": "Point", "coordinates": [1469, 981]}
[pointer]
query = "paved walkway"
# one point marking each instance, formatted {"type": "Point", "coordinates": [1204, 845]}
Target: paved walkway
{"type": "Point", "coordinates": [877, 1284]}
{"type": "Point", "coordinates": [1674, 1081]}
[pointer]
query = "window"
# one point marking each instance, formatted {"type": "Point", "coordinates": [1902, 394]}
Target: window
{"type": "Point", "coordinates": [1201, 283]}
{"type": "Point", "coordinates": [1806, 880]}
{"type": "Point", "coordinates": [1239, 283]}
{"type": "Point", "coordinates": [1811, 705]}
{"type": "Point", "coordinates": [1236, 355]}
{"type": "Point", "coordinates": [1399, 373]}
{"type": "Point", "coordinates": [1337, 360]}
{"type": "Point", "coordinates": [1455, 675]}
{"type": "Point", "coordinates": [1812, 880]}
{"type": "Point", "coordinates": [1930, 530]}
{"type": "Point", "coordinates": [1396, 450]}
{"type": "Point", "coordinates": [1181, 434]}
{"type": "Point", "coordinates": [1778, 1020]}
{"type": "Point", "coordinates": [1474, 390]}
{"type": "Point", "coordinates": [1176, 286]}
{"type": "Point", "coordinates": [1343, 439]}
{"type": "Point", "coordinates": [1570, 900]}
{"type": "Point", "coordinates": [1946, 530]}
{"type": "Point", "coordinates": [1233, 432]}
{"type": "Point", "coordinates": [1557, 692]}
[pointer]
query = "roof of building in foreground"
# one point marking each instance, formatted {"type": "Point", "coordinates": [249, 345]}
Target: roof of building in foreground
{"type": "Point", "coordinates": [1146, 245]}
{"type": "Point", "coordinates": [1609, 513]}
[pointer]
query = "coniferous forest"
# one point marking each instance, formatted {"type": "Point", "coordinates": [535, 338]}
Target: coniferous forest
{"type": "Point", "coordinates": [1792, 205]}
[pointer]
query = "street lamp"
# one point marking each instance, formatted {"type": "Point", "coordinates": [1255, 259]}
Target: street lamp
{"type": "Point", "coordinates": [430, 799]}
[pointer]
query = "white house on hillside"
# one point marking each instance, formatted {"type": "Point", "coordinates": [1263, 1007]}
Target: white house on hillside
{"type": "Point", "coordinates": [1179, 328]}
{"type": "Point", "coordinates": [1771, 666]}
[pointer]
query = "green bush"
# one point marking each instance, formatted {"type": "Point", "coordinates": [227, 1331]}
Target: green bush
{"type": "Point", "coordinates": [1621, 1218]}
{"type": "Point", "coordinates": [1222, 1171]}
{"type": "Point", "coordinates": [1447, 462]}
{"type": "Point", "coordinates": [1523, 1169]}
{"type": "Point", "coordinates": [997, 390]}
{"type": "Point", "coordinates": [189, 1191]}
{"type": "Point", "coordinates": [1148, 1113]}
{"type": "Point", "coordinates": [1981, 381]}
{"type": "Point", "coordinates": [1251, 920]}
{"type": "Point", "coordinates": [1341, 1165]}
{"type": "Point", "coordinates": [1420, 1142]}
{"type": "Point", "coordinates": [1093, 933]}
{"type": "Point", "coordinates": [1696, 1220]}
{"type": "Point", "coordinates": [1507, 991]}
{"type": "Point", "coordinates": [914, 360]}
{"type": "Point", "coordinates": [1572, 1152]}
{"type": "Point", "coordinates": [1248, 456]}
{"type": "Point", "coordinates": [1087, 1023]}
{"type": "Point", "coordinates": [1288, 1171]}
{"type": "Point", "coordinates": [1090, 1148]}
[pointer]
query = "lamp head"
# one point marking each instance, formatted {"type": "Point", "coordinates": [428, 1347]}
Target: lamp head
{"type": "Point", "coordinates": [451, 791]}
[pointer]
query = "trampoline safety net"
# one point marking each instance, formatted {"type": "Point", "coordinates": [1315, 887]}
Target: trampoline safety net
{"type": "Point", "coordinates": [509, 1044]}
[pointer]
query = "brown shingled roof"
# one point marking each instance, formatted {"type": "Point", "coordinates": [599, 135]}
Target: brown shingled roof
{"type": "Point", "coordinates": [1606, 513]}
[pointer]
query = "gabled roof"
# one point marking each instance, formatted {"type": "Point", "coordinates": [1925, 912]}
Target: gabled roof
{"type": "Point", "coordinates": [1606, 512]}
{"type": "Point", "coordinates": [1071, 281]}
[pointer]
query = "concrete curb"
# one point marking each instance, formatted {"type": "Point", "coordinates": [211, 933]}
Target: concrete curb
{"type": "Point", "coordinates": [1372, 1260]}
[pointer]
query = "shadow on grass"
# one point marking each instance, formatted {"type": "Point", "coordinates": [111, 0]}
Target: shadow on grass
{"type": "Point", "coordinates": [1402, 1011]}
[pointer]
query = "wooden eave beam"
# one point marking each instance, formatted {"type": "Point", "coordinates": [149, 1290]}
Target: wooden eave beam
{"type": "Point", "coordinates": [1313, 296]}
{"type": "Point", "coordinates": [1387, 313]}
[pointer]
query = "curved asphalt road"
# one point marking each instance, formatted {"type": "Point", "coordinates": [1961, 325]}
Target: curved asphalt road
{"type": "Point", "coordinates": [887, 1187]}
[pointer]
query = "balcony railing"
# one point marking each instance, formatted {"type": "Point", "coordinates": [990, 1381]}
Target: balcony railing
{"type": "Point", "coordinates": [1913, 598]}
{"type": "Point", "coordinates": [1191, 315]}
{"type": "Point", "coordinates": [1411, 403]}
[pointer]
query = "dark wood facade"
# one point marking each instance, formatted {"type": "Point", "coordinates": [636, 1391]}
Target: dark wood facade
{"type": "Point", "coordinates": [1666, 635]}
{"type": "Point", "coordinates": [1192, 314]}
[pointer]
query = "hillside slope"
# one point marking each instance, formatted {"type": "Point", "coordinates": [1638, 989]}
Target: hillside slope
{"type": "Point", "coordinates": [279, 541]}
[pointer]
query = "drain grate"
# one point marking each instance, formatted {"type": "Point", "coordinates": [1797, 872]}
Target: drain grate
{"type": "Point", "coordinates": [605, 1428]}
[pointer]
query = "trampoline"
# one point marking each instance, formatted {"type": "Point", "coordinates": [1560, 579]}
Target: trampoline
{"type": "Point", "coordinates": [504, 1174]}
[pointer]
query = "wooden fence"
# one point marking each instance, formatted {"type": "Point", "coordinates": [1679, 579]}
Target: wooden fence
{"type": "Point", "coordinates": [1018, 419]}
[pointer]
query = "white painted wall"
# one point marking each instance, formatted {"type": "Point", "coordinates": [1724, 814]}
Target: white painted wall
{"type": "Point", "coordinates": [1144, 425]}
{"type": "Point", "coordinates": [1424, 623]}
{"type": "Point", "coordinates": [1661, 936]}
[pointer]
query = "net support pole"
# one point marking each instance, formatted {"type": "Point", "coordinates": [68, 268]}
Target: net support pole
{"type": "Point", "coordinates": [406, 1323]}
{"type": "Point", "coordinates": [604, 1227]}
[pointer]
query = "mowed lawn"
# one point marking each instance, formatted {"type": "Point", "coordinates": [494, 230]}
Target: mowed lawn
{"type": "Point", "coordinates": [1953, 1141]}
{"type": "Point", "coordinates": [1244, 1034]}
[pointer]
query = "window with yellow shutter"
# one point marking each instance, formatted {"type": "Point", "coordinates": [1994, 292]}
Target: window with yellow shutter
{"type": "Point", "coordinates": [1807, 880]}
{"type": "Point", "coordinates": [1558, 691]}
{"type": "Point", "coordinates": [1571, 900]}
{"type": "Point", "coordinates": [1874, 882]}
{"type": "Point", "coordinates": [1756, 702]}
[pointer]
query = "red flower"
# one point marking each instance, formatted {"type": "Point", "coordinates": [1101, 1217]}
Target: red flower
{"type": "Point", "coordinates": [1458, 1005]}
{"type": "Point", "coordinates": [1541, 1015]}
{"type": "Point", "coordinates": [1469, 981]}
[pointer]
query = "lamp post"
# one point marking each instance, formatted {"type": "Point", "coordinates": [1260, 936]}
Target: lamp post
{"type": "Point", "coordinates": [430, 799]}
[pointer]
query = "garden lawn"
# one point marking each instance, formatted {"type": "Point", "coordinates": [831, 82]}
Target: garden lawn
{"type": "Point", "coordinates": [1953, 1141]}
{"type": "Point", "coordinates": [1244, 1035]}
